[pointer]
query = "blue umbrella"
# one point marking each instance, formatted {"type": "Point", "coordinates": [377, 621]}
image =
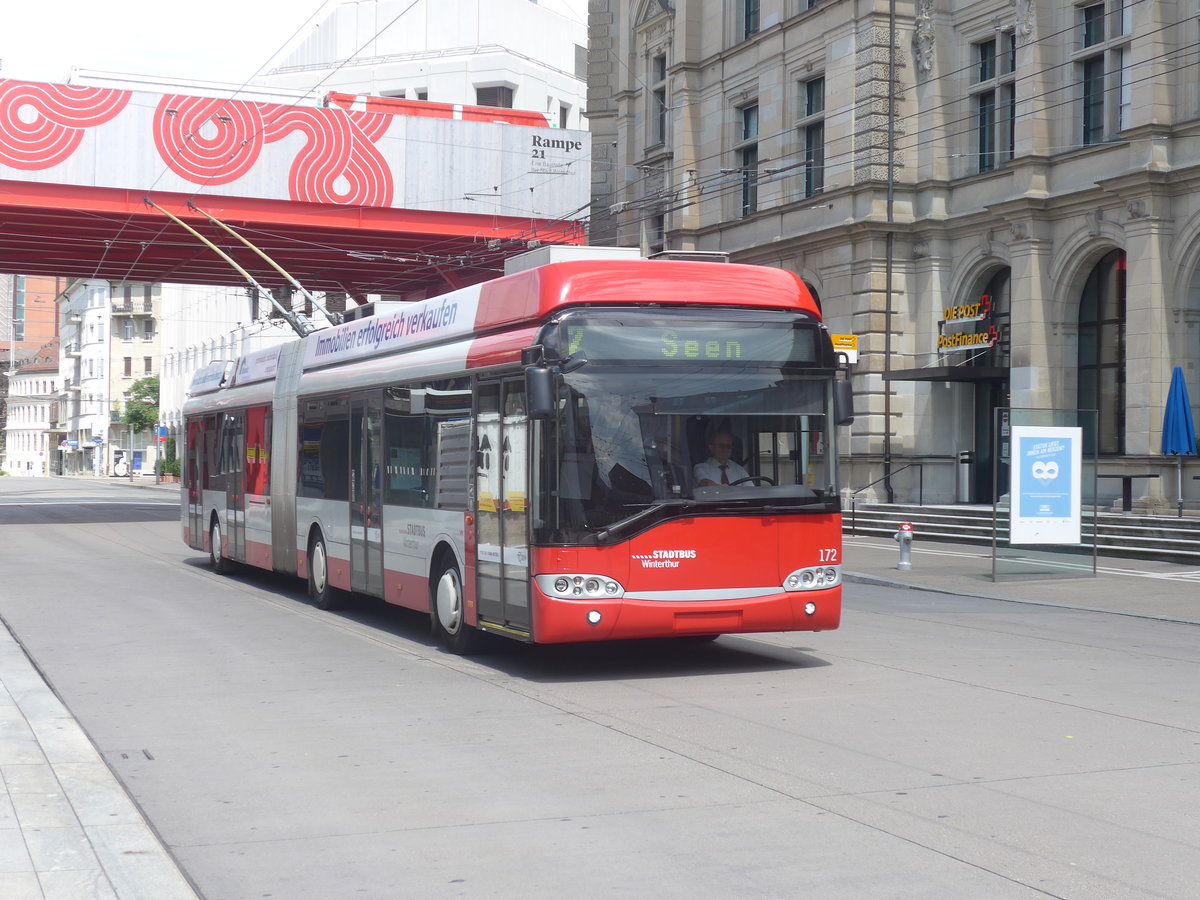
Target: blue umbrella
{"type": "Point", "coordinates": [1178, 431]}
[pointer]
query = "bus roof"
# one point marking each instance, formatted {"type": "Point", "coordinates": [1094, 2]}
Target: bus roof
{"type": "Point", "coordinates": [538, 292]}
{"type": "Point", "coordinates": [531, 296]}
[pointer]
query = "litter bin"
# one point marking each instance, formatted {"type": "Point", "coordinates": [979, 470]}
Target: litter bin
{"type": "Point", "coordinates": [966, 465]}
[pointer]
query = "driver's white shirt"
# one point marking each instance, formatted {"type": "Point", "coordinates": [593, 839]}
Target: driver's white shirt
{"type": "Point", "coordinates": [711, 469]}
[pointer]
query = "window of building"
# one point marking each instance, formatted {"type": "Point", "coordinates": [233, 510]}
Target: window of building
{"type": "Point", "coordinates": [127, 330]}
{"type": "Point", "coordinates": [148, 329]}
{"type": "Point", "coordinates": [422, 94]}
{"type": "Point", "coordinates": [748, 11]}
{"type": "Point", "coordinates": [812, 126]}
{"type": "Point", "coordinates": [1093, 100]}
{"type": "Point", "coordinates": [1102, 69]}
{"type": "Point", "coordinates": [564, 115]}
{"type": "Point", "coordinates": [994, 101]}
{"type": "Point", "coordinates": [658, 99]}
{"type": "Point", "coordinates": [148, 364]}
{"type": "Point", "coordinates": [658, 233]}
{"type": "Point", "coordinates": [128, 366]}
{"type": "Point", "coordinates": [500, 96]}
{"type": "Point", "coordinates": [18, 311]}
{"type": "Point", "coordinates": [747, 158]}
{"type": "Point", "coordinates": [1101, 366]}
{"type": "Point", "coordinates": [1093, 24]}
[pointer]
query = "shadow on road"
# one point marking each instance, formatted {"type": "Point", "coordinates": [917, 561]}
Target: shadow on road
{"type": "Point", "coordinates": [48, 512]}
{"type": "Point", "coordinates": [658, 658]}
{"type": "Point", "coordinates": [557, 663]}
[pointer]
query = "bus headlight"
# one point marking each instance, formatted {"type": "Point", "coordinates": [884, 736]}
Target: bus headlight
{"type": "Point", "coordinates": [577, 587]}
{"type": "Point", "coordinates": [813, 578]}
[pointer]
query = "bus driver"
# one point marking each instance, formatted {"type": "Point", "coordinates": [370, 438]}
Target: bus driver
{"type": "Point", "coordinates": [719, 469]}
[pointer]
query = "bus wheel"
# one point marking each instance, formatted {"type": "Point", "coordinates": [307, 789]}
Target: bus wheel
{"type": "Point", "coordinates": [323, 594]}
{"type": "Point", "coordinates": [449, 612]}
{"type": "Point", "coordinates": [220, 564]}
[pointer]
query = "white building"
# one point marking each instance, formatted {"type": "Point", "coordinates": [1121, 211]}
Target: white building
{"type": "Point", "coordinates": [517, 54]}
{"type": "Point", "coordinates": [86, 311]}
{"type": "Point", "coordinates": [32, 409]}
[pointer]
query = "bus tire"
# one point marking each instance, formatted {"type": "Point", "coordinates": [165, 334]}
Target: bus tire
{"type": "Point", "coordinates": [323, 594]}
{"type": "Point", "coordinates": [220, 565]}
{"type": "Point", "coordinates": [449, 611]}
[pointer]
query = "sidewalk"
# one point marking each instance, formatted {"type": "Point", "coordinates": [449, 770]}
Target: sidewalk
{"type": "Point", "coordinates": [1129, 587]}
{"type": "Point", "coordinates": [68, 829]}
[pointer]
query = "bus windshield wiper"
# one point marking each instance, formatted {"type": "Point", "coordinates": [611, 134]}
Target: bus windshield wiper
{"type": "Point", "coordinates": [640, 515]}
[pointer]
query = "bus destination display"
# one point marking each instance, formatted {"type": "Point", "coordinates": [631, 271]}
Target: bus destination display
{"type": "Point", "coordinates": [688, 342]}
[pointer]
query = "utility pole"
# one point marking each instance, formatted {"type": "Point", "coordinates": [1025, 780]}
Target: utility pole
{"type": "Point", "coordinates": [890, 260]}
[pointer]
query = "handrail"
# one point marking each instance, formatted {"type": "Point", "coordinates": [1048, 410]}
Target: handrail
{"type": "Point", "coordinates": [920, 467]}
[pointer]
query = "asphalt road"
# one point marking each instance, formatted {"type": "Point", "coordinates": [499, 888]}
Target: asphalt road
{"type": "Point", "coordinates": [934, 746]}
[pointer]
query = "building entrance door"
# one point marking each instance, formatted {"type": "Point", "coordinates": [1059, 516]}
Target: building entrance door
{"type": "Point", "coordinates": [988, 396]}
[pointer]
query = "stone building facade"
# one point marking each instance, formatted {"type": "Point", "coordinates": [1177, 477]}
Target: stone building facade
{"type": "Point", "coordinates": [997, 198]}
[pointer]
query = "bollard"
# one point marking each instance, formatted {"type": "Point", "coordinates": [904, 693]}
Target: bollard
{"type": "Point", "coordinates": [905, 538]}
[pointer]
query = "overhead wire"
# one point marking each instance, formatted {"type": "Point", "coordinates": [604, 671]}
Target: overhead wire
{"type": "Point", "coordinates": [459, 259]}
{"type": "Point", "coordinates": [195, 193]}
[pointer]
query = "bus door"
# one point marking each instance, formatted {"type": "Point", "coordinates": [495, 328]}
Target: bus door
{"type": "Point", "coordinates": [233, 451]}
{"type": "Point", "coordinates": [366, 494]}
{"type": "Point", "coordinates": [193, 472]}
{"type": "Point", "coordinates": [501, 463]}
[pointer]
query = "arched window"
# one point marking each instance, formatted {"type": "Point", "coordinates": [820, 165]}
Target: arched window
{"type": "Point", "coordinates": [816, 297]}
{"type": "Point", "coordinates": [1102, 350]}
{"type": "Point", "coordinates": [996, 293]}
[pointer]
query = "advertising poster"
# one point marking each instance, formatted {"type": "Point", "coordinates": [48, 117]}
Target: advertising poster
{"type": "Point", "coordinates": [1045, 491]}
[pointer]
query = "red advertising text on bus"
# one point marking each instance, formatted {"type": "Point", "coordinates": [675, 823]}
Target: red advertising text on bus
{"type": "Point", "coordinates": [589, 450]}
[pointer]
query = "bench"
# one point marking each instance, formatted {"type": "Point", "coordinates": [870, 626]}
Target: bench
{"type": "Point", "coordinates": [1127, 488]}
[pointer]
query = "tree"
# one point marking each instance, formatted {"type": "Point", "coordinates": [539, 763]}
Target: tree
{"type": "Point", "coordinates": [141, 410]}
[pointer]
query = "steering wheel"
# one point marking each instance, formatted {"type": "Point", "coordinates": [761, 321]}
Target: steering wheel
{"type": "Point", "coordinates": [753, 478]}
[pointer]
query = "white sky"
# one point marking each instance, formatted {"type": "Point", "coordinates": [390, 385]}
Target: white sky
{"type": "Point", "coordinates": [209, 40]}
{"type": "Point", "coordinates": [213, 40]}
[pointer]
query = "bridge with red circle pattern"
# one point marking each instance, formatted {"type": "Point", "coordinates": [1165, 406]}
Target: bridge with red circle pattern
{"type": "Point", "coordinates": [361, 195]}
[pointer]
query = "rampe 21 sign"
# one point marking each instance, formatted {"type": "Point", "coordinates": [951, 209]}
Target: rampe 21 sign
{"type": "Point", "coordinates": [1045, 475]}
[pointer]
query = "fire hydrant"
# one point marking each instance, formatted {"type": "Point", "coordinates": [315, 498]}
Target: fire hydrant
{"type": "Point", "coordinates": [904, 537]}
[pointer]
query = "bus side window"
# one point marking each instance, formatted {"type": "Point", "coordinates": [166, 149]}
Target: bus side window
{"type": "Point", "coordinates": [258, 425]}
{"type": "Point", "coordinates": [409, 452]}
{"type": "Point", "coordinates": [210, 448]}
{"type": "Point", "coordinates": [325, 450]}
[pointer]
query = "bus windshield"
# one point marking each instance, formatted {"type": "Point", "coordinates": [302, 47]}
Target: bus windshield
{"type": "Point", "coordinates": [638, 444]}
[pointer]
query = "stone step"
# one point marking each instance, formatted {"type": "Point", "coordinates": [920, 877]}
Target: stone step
{"type": "Point", "coordinates": [1136, 537]}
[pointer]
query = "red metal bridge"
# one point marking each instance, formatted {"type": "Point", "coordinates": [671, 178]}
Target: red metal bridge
{"type": "Point", "coordinates": [361, 195]}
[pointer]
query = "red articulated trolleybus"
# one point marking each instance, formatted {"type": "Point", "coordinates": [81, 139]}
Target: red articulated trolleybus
{"type": "Point", "coordinates": [525, 457]}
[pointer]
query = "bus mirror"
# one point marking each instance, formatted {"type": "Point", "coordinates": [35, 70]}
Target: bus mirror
{"type": "Point", "coordinates": [539, 392]}
{"type": "Point", "coordinates": [574, 362]}
{"type": "Point", "coordinates": [843, 402]}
